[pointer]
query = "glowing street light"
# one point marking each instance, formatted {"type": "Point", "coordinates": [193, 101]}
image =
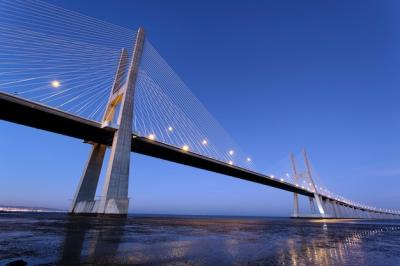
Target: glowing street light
{"type": "Point", "coordinates": [185, 147]}
{"type": "Point", "coordinates": [151, 137]}
{"type": "Point", "coordinates": [204, 142]}
{"type": "Point", "coordinates": [231, 152]}
{"type": "Point", "coordinates": [55, 84]}
{"type": "Point", "coordinates": [230, 163]}
{"type": "Point", "coordinates": [170, 129]}
{"type": "Point", "coordinates": [248, 159]}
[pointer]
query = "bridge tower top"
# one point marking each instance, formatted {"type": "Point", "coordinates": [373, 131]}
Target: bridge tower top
{"type": "Point", "coordinates": [121, 90]}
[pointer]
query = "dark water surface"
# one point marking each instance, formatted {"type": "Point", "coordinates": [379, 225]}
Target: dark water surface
{"type": "Point", "coordinates": [57, 239]}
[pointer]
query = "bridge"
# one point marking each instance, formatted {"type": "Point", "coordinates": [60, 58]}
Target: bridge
{"type": "Point", "coordinates": [128, 100]}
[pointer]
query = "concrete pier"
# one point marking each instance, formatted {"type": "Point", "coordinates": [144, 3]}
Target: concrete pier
{"type": "Point", "coordinates": [114, 199]}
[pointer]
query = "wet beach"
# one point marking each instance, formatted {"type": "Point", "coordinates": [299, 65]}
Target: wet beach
{"type": "Point", "coordinates": [59, 239]}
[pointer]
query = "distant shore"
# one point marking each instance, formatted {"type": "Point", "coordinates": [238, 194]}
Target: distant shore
{"type": "Point", "coordinates": [8, 209]}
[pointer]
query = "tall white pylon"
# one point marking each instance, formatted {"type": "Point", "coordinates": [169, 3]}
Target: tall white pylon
{"type": "Point", "coordinates": [114, 199]}
{"type": "Point", "coordinates": [295, 195]}
{"type": "Point", "coordinates": [316, 195]}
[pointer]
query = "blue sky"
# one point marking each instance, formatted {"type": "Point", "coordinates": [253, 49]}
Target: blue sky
{"type": "Point", "coordinates": [278, 75]}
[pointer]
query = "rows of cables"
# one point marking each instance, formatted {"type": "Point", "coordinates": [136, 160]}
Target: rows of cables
{"type": "Point", "coordinates": [57, 57]}
{"type": "Point", "coordinates": [68, 61]}
{"type": "Point", "coordinates": [167, 110]}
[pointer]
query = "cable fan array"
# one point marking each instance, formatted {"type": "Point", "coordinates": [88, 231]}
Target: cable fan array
{"type": "Point", "coordinates": [57, 57]}
{"type": "Point", "coordinates": [68, 61]}
{"type": "Point", "coordinates": [167, 111]}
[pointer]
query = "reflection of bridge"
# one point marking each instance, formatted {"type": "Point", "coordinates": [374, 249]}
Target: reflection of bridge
{"type": "Point", "coordinates": [95, 241]}
{"type": "Point", "coordinates": [149, 110]}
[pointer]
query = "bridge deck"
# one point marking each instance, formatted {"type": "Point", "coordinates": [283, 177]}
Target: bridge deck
{"type": "Point", "coordinates": [25, 112]}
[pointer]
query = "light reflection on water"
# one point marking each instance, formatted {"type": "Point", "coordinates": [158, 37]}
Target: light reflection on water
{"type": "Point", "coordinates": [59, 239]}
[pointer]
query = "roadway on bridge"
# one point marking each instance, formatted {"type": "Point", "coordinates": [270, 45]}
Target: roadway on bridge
{"type": "Point", "coordinates": [21, 111]}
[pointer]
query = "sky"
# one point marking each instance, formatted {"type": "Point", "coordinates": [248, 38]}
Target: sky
{"type": "Point", "coordinates": [278, 76]}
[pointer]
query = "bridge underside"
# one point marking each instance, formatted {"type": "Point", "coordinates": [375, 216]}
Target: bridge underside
{"type": "Point", "coordinates": [24, 112]}
{"type": "Point", "coordinates": [21, 111]}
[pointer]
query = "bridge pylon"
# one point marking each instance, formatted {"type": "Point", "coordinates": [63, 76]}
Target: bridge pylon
{"type": "Point", "coordinates": [317, 198]}
{"type": "Point", "coordinates": [295, 195]}
{"type": "Point", "coordinates": [320, 211]}
{"type": "Point", "coordinates": [114, 199]}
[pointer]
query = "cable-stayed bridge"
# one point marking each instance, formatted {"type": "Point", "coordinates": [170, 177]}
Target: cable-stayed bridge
{"type": "Point", "coordinates": [67, 73]}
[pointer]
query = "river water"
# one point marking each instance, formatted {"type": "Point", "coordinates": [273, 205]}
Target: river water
{"type": "Point", "coordinates": [58, 239]}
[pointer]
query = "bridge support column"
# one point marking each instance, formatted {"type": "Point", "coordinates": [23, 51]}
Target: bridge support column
{"type": "Point", "coordinates": [335, 213]}
{"type": "Point", "coordinates": [295, 205]}
{"type": "Point", "coordinates": [114, 199]}
{"type": "Point", "coordinates": [325, 206]}
{"type": "Point", "coordinates": [340, 210]}
{"type": "Point", "coordinates": [345, 211]}
{"type": "Point", "coordinates": [331, 211]}
{"type": "Point", "coordinates": [349, 212]}
{"type": "Point", "coordinates": [353, 212]}
{"type": "Point", "coordinates": [356, 213]}
{"type": "Point", "coordinates": [331, 208]}
{"type": "Point", "coordinates": [83, 201]}
{"type": "Point", "coordinates": [316, 195]}
{"type": "Point", "coordinates": [312, 205]}
{"type": "Point", "coordinates": [360, 214]}
{"type": "Point", "coordinates": [295, 195]}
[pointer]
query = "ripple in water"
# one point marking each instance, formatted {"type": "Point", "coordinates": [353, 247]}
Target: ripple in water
{"type": "Point", "coordinates": [62, 240]}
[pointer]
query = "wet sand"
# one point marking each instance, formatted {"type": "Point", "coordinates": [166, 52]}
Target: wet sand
{"type": "Point", "coordinates": [58, 239]}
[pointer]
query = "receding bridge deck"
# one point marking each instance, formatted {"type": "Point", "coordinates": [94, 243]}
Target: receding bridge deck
{"type": "Point", "coordinates": [21, 111]}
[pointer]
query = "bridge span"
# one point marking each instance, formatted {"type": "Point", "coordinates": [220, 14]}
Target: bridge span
{"type": "Point", "coordinates": [28, 113]}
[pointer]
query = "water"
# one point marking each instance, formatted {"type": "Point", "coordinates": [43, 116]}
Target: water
{"type": "Point", "coordinates": [57, 239]}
